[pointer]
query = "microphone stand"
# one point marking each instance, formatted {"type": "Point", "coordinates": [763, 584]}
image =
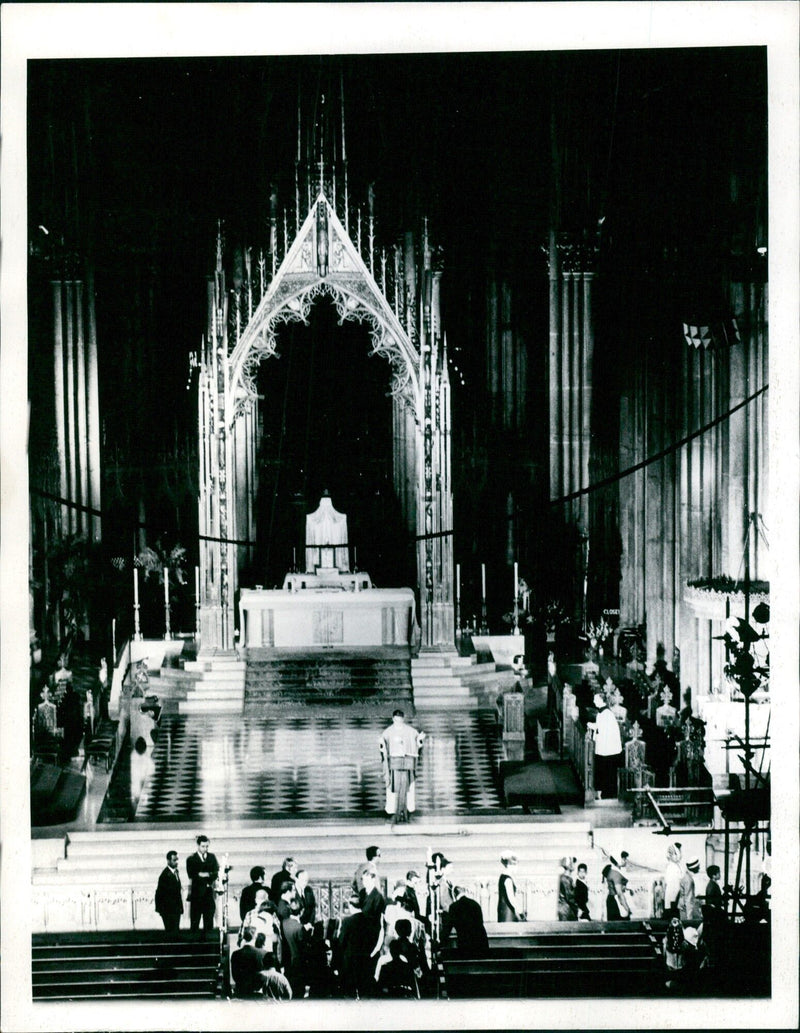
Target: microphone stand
{"type": "Point", "coordinates": [223, 945]}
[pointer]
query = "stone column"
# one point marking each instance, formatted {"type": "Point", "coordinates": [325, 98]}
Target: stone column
{"type": "Point", "coordinates": [60, 398]}
{"type": "Point", "coordinates": [69, 383]}
{"type": "Point", "coordinates": [93, 411]}
{"type": "Point", "coordinates": [554, 370]}
{"type": "Point", "coordinates": [82, 451]}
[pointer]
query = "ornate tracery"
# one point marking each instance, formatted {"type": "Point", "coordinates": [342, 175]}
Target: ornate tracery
{"type": "Point", "coordinates": [402, 314]}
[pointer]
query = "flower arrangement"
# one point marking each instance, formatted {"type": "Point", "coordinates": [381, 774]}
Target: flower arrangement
{"type": "Point", "coordinates": [153, 561]}
{"type": "Point", "coordinates": [599, 632]}
{"type": "Point", "coordinates": [552, 614]}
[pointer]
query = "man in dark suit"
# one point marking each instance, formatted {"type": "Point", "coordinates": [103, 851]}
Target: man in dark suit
{"type": "Point", "coordinates": [247, 901]}
{"type": "Point", "coordinates": [285, 874]}
{"type": "Point", "coordinates": [169, 901]}
{"type": "Point", "coordinates": [355, 941]}
{"type": "Point", "coordinates": [203, 870]}
{"type": "Point", "coordinates": [466, 917]}
{"type": "Point", "coordinates": [412, 881]}
{"type": "Point", "coordinates": [306, 899]}
{"type": "Point", "coordinates": [246, 966]}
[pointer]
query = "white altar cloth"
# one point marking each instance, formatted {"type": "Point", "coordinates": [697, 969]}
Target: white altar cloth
{"type": "Point", "coordinates": [322, 617]}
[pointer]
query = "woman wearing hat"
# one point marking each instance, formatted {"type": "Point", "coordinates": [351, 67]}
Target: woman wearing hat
{"type": "Point", "coordinates": [567, 909]}
{"type": "Point", "coordinates": [508, 905]}
{"type": "Point", "coordinates": [673, 874]}
{"type": "Point", "coordinates": [687, 902]}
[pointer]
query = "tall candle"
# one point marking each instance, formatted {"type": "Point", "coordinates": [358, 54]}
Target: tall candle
{"type": "Point", "coordinates": [516, 581]}
{"type": "Point", "coordinates": [483, 580]}
{"type": "Point", "coordinates": [197, 585]}
{"type": "Point", "coordinates": [166, 586]}
{"type": "Point", "coordinates": [135, 586]}
{"type": "Point", "coordinates": [458, 580]}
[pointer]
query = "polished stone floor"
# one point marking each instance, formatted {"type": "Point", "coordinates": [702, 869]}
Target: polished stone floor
{"type": "Point", "coordinates": [318, 763]}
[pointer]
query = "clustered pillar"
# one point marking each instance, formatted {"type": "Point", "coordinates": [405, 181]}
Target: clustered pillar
{"type": "Point", "coordinates": [76, 403]}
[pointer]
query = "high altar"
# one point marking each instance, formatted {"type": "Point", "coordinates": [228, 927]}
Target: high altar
{"type": "Point", "coordinates": [328, 605]}
{"type": "Point", "coordinates": [396, 295]}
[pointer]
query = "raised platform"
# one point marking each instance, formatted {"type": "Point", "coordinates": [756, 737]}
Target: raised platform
{"type": "Point", "coordinates": [106, 878]}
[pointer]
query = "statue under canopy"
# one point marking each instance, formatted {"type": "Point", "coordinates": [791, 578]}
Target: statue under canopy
{"type": "Point", "coordinates": [326, 538]}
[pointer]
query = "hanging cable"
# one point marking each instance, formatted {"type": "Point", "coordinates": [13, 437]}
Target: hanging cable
{"type": "Point", "coordinates": [622, 474]}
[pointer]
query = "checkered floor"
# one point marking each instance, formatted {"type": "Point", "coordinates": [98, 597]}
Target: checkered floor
{"type": "Point", "coordinates": [322, 763]}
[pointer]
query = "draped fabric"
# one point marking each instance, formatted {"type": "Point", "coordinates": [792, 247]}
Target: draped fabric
{"type": "Point", "coordinates": [326, 528]}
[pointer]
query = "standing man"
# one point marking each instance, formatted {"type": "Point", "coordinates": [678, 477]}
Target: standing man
{"type": "Point", "coordinates": [306, 899]}
{"type": "Point", "coordinates": [286, 873]}
{"type": "Point", "coordinates": [169, 900]}
{"type": "Point", "coordinates": [202, 868]}
{"type": "Point", "coordinates": [607, 750]}
{"type": "Point", "coordinates": [400, 745]}
{"type": "Point", "coordinates": [581, 890]}
{"type": "Point", "coordinates": [370, 865]}
{"type": "Point", "coordinates": [413, 881]}
{"type": "Point", "coordinates": [247, 900]}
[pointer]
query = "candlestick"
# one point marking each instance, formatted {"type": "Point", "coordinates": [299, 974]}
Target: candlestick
{"type": "Point", "coordinates": [197, 603]}
{"type": "Point", "coordinates": [458, 580]}
{"type": "Point", "coordinates": [114, 638]}
{"type": "Point", "coordinates": [516, 596]}
{"type": "Point", "coordinates": [167, 629]}
{"type": "Point", "coordinates": [484, 626]}
{"type": "Point", "coordinates": [137, 633]}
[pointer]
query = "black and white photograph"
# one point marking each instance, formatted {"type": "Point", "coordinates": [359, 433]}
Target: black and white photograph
{"type": "Point", "coordinates": [399, 515]}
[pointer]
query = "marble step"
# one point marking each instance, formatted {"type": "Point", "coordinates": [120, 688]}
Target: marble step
{"type": "Point", "coordinates": [194, 666]}
{"type": "Point", "coordinates": [439, 660]}
{"type": "Point", "coordinates": [453, 830]}
{"type": "Point", "coordinates": [174, 674]}
{"type": "Point", "coordinates": [201, 706]}
{"type": "Point", "coordinates": [446, 704]}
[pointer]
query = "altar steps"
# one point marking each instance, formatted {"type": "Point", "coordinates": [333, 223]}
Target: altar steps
{"type": "Point", "coordinates": [565, 959]}
{"type": "Point", "coordinates": [219, 686]}
{"type": "Point", "coordinates": [324, 679]}
{"type": "Point", "coordinates": [107, 878]}
{"type": "Point", "coordinates": [98, 966]}
{"type": "Point", "coordinates": [446, 680]}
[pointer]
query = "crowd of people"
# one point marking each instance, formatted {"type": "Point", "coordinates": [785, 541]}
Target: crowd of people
{"type": "Point", "coordinates": [654, 702]}
{"type": "Point", "coordinates": [383, 946]}
{"type": "Point", "coordinates": [63, 715]}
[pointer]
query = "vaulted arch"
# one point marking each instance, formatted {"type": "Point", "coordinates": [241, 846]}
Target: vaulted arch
{"type": "Point", "coordinates": [324, 261]}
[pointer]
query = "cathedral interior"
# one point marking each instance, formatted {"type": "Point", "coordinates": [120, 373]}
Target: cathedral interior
{"type": "Point", "coordinates": [539, 392]}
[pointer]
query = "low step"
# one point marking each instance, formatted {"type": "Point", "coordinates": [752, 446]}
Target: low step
{"type": "Point", "coordinates": [454, 703]}
{"type": "Point", "coordinates": [214, 665]}
{"type": "Point", "coordinates": [194, 706]}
